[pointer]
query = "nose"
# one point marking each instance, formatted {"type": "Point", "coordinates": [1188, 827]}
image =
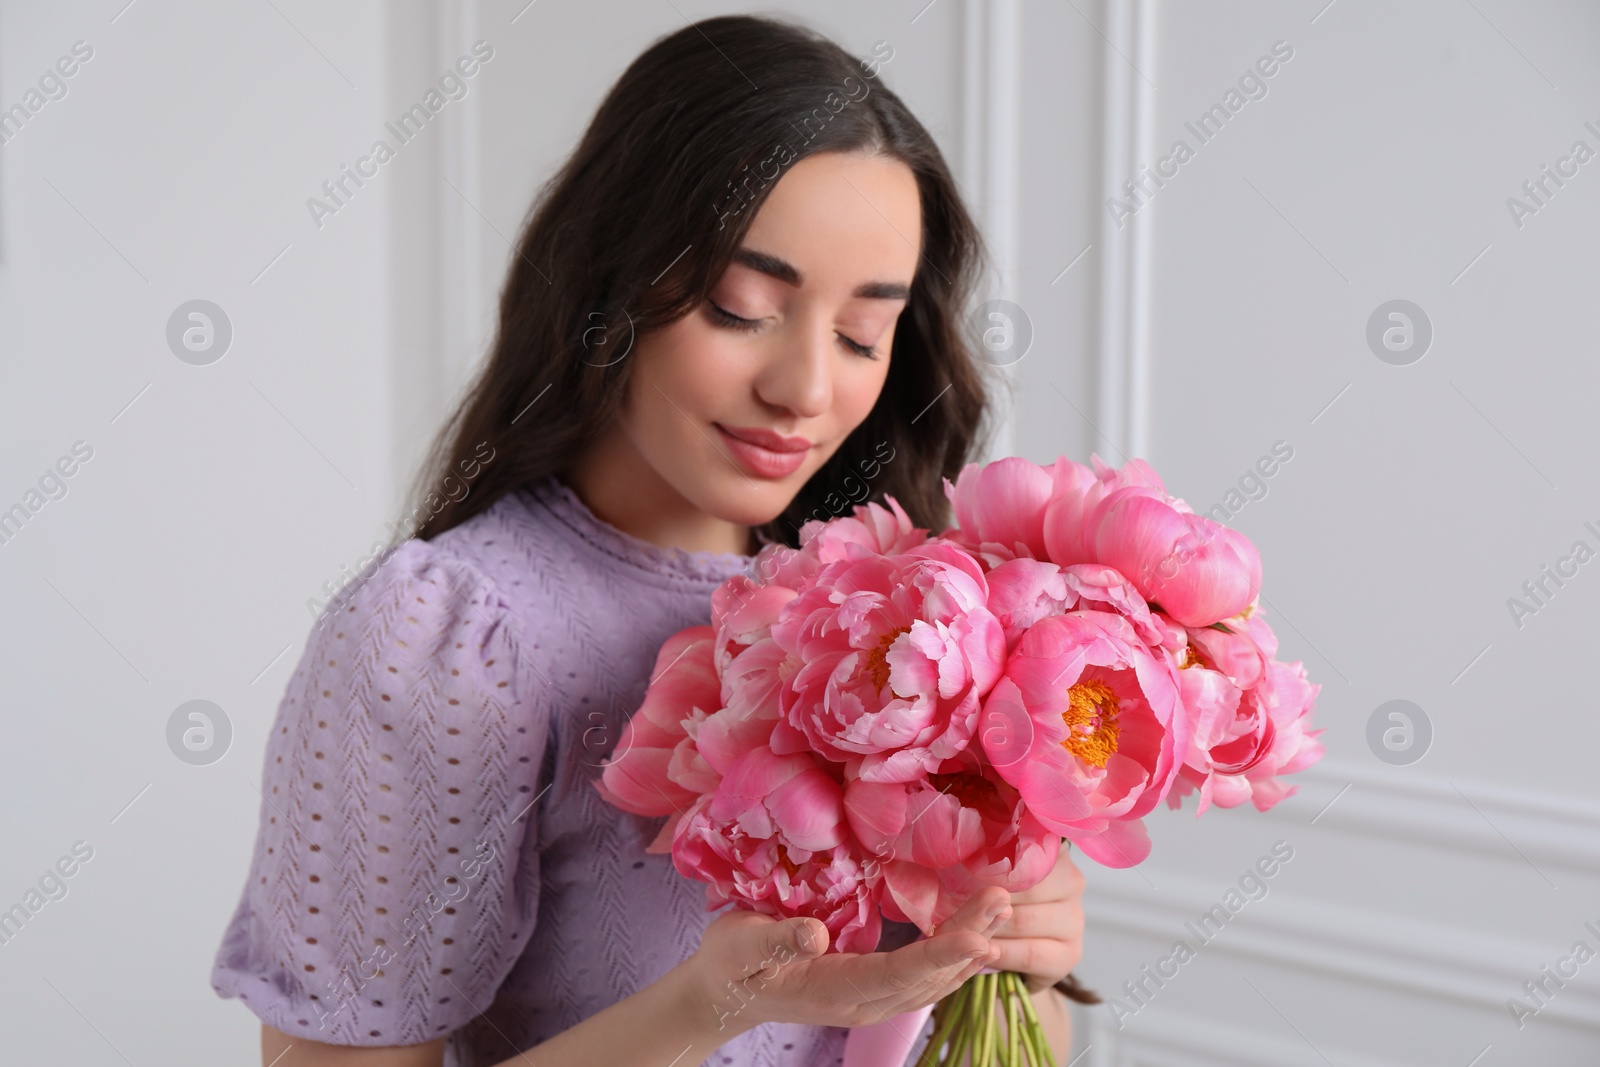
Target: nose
{"type": "Point", "coordinates": [798, 376]}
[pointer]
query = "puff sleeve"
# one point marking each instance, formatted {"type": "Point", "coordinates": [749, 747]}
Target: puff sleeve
{"type": "Point", "coordinates": [395, 878]}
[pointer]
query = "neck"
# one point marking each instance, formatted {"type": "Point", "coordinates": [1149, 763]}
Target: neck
{"type": "Point", "coordinates": [616, 483]}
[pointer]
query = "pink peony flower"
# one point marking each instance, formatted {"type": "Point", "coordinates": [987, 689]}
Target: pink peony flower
{"type": "Point", "coordinates": [813, 747]}
{"type": "Point", "coordinates": [1239, 647]}
{"type": "Point", "coordinates": [890, 656]}
{"type": "Point", "coordinates": [942, 838]}
{"type": "Point", "coordinates": [773, 838]}
{"type": "Point", "coordinates": [654, 768]}
{"type": "Point", "coordinates": [872, 529]}
{"type": "Point", "coordinates": [1198, 570]}
{"type": "Point", "coordinates": [1088, 726]}
{"type": "Point", "coordinates": [1022, 591]}
{"type": "Point", "coordinates": [1070, 520]}
{"type": "Point", "coordinates": [1242, 743]}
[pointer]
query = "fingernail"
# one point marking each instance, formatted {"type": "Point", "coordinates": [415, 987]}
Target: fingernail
{"type": "Point", "coordinates": [976, 953]}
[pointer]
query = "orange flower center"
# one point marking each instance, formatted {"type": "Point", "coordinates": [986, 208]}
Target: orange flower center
{"type": "Point", "coordinates": [971, 791]}
{"type": "Point", "coordinates": [788, 864]}
{"type": "Point", "coordinates": [876, 664]}
{"type": "Point", "coordinates": [1091, 719]}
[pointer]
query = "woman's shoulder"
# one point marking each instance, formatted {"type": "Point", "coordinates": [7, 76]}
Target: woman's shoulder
{"type": "Point", "coordinates": [478, 562]}
{"type": "Point", "coordinates": [544, 547]}
{"type": "Point", "coordinates": [420, 604]}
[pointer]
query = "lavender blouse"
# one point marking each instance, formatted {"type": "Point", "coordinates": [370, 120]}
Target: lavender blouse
{"type": "Point", "coordinates": [432, 858]}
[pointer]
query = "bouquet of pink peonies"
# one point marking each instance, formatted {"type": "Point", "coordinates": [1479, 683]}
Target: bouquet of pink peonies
{"type": "Point", "coordinates": [882, 722]}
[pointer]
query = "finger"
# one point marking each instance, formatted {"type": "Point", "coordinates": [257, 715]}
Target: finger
{"type": "Point", "coordinates": [1034, 955]}
{"type": "Point", "coordinates": [920, 967]}
{"type": "Point", "coordinates": [960, 977]}
{"type": "Point", "coordinates": [1042, 919]}
{"type": "Point", "coordinates": [755, 940]}
{"type": "Point", "coordinates": [942, 984]}
{"type": "Point", "coordinates": [978, 912]}
{"type": "Point", "coordinates": [807, 937]}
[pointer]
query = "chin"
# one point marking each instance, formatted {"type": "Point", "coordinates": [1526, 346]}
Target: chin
{"type": "Point", "coordinates": [735, 500]}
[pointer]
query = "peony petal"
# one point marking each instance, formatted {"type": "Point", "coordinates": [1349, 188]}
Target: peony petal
{"type": "Point", "coordinates": [1120, 844]}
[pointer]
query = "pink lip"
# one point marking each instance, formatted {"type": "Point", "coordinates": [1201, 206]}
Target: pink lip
{"type": "Point", "coordinates": [772, 442]}
{"type": "Point", "coordinates": [763, 452]}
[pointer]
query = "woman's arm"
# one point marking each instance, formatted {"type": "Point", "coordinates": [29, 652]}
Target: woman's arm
{"type": "Point", "coordinates": [750, 968]}
{"type": "Point", "coordinates": [660, 1024]}
{"type": "Point", "coordinates": [656, 1025]}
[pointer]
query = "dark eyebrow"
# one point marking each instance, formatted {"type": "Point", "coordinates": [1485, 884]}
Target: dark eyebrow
{"type": "Point", "coordinates": [785, 272]}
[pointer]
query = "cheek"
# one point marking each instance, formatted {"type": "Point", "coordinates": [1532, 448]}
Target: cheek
{"type": "Point", "coordinates": [857, 393]}
{"type": "Point", "coordinates": [717, 376]}
{"type": "Point", "coordinates": [682, 378]}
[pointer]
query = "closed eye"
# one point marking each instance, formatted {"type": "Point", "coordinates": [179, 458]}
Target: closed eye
{"type": "Point", "coordinates": [727, 319]}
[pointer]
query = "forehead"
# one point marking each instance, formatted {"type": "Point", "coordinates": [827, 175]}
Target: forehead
{"type": "Point", "coordinates": [842, 220]}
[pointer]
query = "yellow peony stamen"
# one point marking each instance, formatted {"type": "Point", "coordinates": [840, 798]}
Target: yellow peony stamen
{"type": "Point", "coordinates": [788, 864]}
{"type": "Point", "coordinates": [971, 790]}
{"type": "Point", "coordinates": [1091, 719]}
{"type": "Point", "coordinates": [876, 664]}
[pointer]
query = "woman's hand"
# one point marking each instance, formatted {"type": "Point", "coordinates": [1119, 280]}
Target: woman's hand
{"type": "Point", "coordinates": [751, 968]}
{"type": "Point", "coordinates": [1043, 939]}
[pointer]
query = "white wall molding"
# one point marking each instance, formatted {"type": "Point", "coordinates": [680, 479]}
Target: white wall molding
{"type": "Point", "coordinates": [1178, 1039]}
{"type": "Point", "coordinates": [460, 271]}
{"type": "Point", "coordinates": [1501, 822]}
{"type": "Point", "coordinates": [991, 160]}
{"type": "Point", "coordinates": [1122, 368]}
{"type": "Point", "coordinates": [1365, 947]}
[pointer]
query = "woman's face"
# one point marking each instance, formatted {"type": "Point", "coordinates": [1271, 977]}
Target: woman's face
{"type": "Point", "coordinates": [793, 344]}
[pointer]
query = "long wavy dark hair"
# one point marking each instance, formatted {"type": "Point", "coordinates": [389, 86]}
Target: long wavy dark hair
{"type": "Point", "coordinates": [634, 231]}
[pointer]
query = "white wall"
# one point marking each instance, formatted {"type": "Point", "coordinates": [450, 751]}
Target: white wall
{"type": "Point", "coordinates": [1222, 318]}
{"type": "Point", "coordinates": [1377, 167]}
{"type": "Point", "coordinates": [178, 565]}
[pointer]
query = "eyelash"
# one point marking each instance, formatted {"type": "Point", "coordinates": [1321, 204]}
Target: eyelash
{"type": "Point", "coordinates": [734, 322]}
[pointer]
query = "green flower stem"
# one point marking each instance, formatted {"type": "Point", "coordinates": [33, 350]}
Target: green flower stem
{"type": "Point", "coordinates": [995, 1006]}
{"type": "Point", "coordinates": [981, 999]}
{"type": "Point", "coordinates": [1036, 1032]}
{"type": "Point", "coordinates": [1013, 1032]}
{"type": "Point", "coordinates": [1027, 1036]}
{"type": "Point", "coordinates": [968, 1020]}
{"type": "Point", "coordinates": [974, 1021]}
{"type": "Point", "coordinates": [1002, 1042]}
{"type": "Point", "coordinates": [963, 1031]}
{"type": "Point", "coordinates": [946, 1013]}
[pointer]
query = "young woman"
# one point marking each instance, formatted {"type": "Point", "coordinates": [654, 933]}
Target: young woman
{"type": "Point", "coordinates": [735, 307]}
